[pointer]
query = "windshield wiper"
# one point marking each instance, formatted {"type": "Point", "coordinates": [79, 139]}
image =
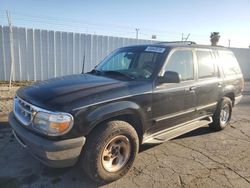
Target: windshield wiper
{"type": "Point", "coordinates": [120, 73]}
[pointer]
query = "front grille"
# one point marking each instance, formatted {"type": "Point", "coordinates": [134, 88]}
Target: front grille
{"type": "Point", "coordinates": [23, 111]}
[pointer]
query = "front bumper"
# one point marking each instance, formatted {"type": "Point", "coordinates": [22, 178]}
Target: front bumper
{"type": "Point", "coordinates": [52, 153]}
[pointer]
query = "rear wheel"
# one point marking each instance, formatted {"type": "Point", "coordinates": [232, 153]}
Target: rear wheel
{"type": "Point", "coordinates": [110, 151]}
{"type": "Point", "coordinates": [222, 115]}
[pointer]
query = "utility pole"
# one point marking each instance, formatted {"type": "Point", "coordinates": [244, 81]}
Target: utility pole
{"type": "Point", "coordinates": [183, 39]}
{"type": "Point", "coordinates": [137, 32]}
{"type": "Point", "coordinates": [11, 46]}
{"type": "Point", "coordinates": [187, 37]}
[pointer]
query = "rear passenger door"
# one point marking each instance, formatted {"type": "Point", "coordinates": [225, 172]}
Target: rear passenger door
{"type": "Point", "coordinates": [209, 84]}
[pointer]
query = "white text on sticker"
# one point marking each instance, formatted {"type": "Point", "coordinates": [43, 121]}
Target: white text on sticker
{"type": "Point", "coordinates": [155, 49]}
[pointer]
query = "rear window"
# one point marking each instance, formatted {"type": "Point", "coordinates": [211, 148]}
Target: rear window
{"type": "Point", "coordinates": [206, 64]}
{"type": "Point", "coordinates": [229, 63]}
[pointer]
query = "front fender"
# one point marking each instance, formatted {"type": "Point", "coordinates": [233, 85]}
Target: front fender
{"type": "Point", "coordinates": [90, 118]}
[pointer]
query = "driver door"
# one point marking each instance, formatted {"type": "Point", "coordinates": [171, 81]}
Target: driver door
{"type": "Point", "coordinates": [175, 103]}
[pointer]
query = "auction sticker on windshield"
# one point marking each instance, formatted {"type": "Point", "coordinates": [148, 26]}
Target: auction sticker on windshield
{"type": "Point", "coordinates": [155, 49]}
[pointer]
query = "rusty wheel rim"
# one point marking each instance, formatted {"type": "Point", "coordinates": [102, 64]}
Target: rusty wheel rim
{"type": "Point", "coordinates": [116, 153]}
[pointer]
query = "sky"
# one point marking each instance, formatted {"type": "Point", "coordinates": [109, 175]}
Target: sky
{"type": "Point", "coordinates": [166, 19]}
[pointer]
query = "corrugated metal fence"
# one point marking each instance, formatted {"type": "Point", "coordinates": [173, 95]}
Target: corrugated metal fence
{"type": "Point", "coordinates": [243, 57]}
{"type": "Point", "coordinates": [41, 54]}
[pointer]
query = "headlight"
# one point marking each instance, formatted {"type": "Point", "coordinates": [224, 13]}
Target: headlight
{"type": "Point", "coordinates": [53, 124]}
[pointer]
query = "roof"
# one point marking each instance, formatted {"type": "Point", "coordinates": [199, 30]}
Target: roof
{"type": "Point", "coordinates": [189, 44]}
{"type": "Point", "coordinates": [173, 44]}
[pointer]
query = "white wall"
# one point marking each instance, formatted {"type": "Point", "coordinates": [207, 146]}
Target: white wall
{"type": "Point", "coordinates": [243, 57]}
{"type": "Point", "coordinates": [42, 54]}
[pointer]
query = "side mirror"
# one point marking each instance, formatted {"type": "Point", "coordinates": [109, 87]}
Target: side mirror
{"type": "Point", "coordinates": [170, 77]}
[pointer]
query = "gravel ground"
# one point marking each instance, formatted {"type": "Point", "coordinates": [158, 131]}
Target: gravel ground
{"type": "Point", "coordinates": [6, 100]}
{"type": "Point", "coordinates": [200, 158]}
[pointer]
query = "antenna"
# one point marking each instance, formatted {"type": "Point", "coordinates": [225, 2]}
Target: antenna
{"type": "Point", "coordinates": [83, 62]}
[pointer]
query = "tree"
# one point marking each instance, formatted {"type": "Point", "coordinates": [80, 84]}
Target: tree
{"type": "Point", "coordinates": [214, 38]}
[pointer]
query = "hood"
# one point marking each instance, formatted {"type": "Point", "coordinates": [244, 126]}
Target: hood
{"type": "Point", "coordinates": [64, 92]}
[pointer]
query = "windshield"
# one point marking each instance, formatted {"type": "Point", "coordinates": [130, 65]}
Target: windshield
{"type": "Point", "coordinates": [133, 63]}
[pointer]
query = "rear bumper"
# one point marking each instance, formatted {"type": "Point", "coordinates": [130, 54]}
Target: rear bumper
{"type": "Point", "coordinates": [52, 153]}
{"type": "Point", "coordinates": [237, 99]}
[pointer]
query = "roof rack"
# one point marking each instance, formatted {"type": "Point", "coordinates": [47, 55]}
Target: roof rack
{"type": "Point", "coordinates": [178, 42]}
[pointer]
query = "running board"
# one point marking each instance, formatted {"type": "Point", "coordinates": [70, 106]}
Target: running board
{"type": "Point", "coordinates": [168, 134]}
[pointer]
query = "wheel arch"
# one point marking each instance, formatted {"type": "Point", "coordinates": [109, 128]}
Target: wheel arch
{"type": "Point", "coordinates": [231, 96]}
{"type": "Point", "coordinates": [229, 91]}
{"type": "Point", "coordinates": [126, 111]}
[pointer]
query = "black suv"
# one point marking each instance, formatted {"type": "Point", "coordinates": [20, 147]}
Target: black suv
{"type": "Point", "coordinates": [137, 95]}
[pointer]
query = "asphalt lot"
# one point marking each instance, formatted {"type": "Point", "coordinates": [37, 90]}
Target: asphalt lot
{"type": "Point", "coordinates": [200, 158]}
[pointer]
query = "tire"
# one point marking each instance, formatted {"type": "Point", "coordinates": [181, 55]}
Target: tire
{"type": "Point", "coordinates": [110, 151]}
{"type": "Point", "coordinates": [222, 115]}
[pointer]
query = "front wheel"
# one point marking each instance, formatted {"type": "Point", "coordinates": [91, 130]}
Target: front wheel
{"type": "Point", "coordinates": [222, 115]}
{"type": "Point", "coordinates": [110, 151]}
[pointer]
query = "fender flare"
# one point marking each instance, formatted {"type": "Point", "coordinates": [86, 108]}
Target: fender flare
{"type": "Point", "coordinates": [112, 110]}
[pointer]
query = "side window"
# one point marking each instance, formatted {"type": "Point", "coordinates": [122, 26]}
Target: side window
{"type": "Point", "coordinates": [206, 66]}
{"type": "Point", "coordinates": [229, 63]}
{"type": "Point", "coordinates": [181, 61]}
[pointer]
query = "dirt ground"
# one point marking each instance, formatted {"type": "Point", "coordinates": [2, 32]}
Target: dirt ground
{"type": "Point", "coordinates": [6, 100]}
{"type": "Point", "coordinates": [200, 158]}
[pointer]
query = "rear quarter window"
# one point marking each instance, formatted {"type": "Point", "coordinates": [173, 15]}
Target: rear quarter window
{"type": "Point", "coordinates": [229, 63]}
